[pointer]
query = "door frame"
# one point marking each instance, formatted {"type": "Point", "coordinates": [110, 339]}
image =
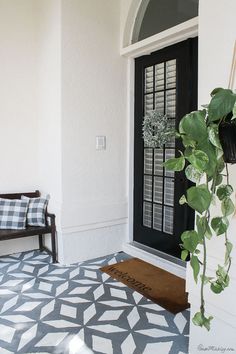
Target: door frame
{"type": "Point", "coordinates": [173, 35]}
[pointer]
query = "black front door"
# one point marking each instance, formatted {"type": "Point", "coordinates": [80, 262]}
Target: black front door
{"type": "Point", "coordinates": [166, 81]}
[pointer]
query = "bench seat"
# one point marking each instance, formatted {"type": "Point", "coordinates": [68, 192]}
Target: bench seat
{"type": "Point", "coordinates": [8, 234]}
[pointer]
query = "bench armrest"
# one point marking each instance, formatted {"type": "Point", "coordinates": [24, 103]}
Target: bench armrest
{"type": "Point", "coordinates": [52, 219]}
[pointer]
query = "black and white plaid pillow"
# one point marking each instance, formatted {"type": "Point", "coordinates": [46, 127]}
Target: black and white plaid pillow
{"type": "Point", "coordinates": [36, 210]}
{"type": "Point", "coordinates": [13, 213]}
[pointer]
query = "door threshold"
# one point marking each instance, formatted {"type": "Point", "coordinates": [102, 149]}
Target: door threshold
{"type": "Point", "coordinates": [157, 258]}
{"type": "Point", "coordinates": [160, 254]}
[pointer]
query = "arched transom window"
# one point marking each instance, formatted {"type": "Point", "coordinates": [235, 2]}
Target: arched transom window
{"type": "Point", "coordinates": [155, 16]}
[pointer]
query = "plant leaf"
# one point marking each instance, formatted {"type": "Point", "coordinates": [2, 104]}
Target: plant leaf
{"type": "Point", "coordinates": [209, 149]}
{"type": "Point", "coordinates": [220, 164]}
{"type": "Point", "coordinates": [184, 255]}
{"type": "Point", "coordinates": [221, 104]}
{"type": "Point", "coordinates": [220, 225]}
{"type": "Point", "coordinates": [190, 240]}
{"type": "Point", "coordinates": [182, 200]}
{"type": "Point", "coordinates": [221, 272]}
{"type": "Point", "coordinates": [227, 207]}
{"type": "Point", "coordinates": [224, 191]}
{"type": "Point", "coordinates": [234, 112]}
{"type": "Point", "coordinates": [229, 247]}
{"type": "Point", "coordinates": [217, 89]}
{"type": "Point", "coordinates": [196, 267]}
{"type": "Point", "coordinates": [213, 134]}
{"type": "Point", "coordinates": [218, 180]}
{"type": "Point", "coordinates": [225, 282]}
{"type": "Point", "coordinates": [193, 174]}
{"type": "Point", "coordinates": [216, 288]}
{"type": "Point", "coordinates": [198, 159]}
{"type": "Point", "coordinates": [200, 320]}
{"type": "Point", "coordinates": [199, 198]}
{"type": "Point", "coordinates": [203, 227]}
{"type": "Point", "coordinates": [222, 277]}
{"type": "Point", "coordinates": [187, 141]}
{"type": "Point", "coordinates": [194, 126]}
{"type": "Point", "coordinates": [207, 322]}
{"type": "Point", "coordinates": [175, 164]}
{"type": "Point", "coordinates": [219, 153]}
{"type": "Point", "coordinates": [206, 279]}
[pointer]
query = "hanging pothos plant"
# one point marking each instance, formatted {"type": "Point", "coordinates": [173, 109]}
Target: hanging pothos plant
{"type": "Point", "coordinates": [202, 159]}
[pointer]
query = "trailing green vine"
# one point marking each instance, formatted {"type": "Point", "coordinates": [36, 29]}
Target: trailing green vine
{"type": "Point", "coordinates": [203, 162]}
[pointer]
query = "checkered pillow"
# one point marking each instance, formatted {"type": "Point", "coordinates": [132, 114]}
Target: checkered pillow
{"type": "Point", "coordinates": [13, 213]}
{"type": "Point", "coordinates": [36, 210]}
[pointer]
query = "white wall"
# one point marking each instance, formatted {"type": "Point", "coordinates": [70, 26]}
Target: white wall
{"type": "Point", "coordinates": [93, 103]}
{"type": "Point", "coordinates": [49, 96]}
{"type": "Point", "coordinates": [18, 114]}
{"type": "Point", "coordinates": [48, 40]}
{"type": "Point", "coordinates": [30, 59]}
{"type": "Point", "coordinates": [64, 83]}
{"type": "Point", "coordinates": [217, 33]}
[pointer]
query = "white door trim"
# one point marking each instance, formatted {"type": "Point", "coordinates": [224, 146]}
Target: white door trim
{"type": "Point", "coordinates": [163, 39]}
{"type": "Point", "coordinates": [171, 36]}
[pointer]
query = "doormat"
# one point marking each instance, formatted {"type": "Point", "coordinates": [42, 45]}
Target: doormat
{"type": "Point", "coordinates": [158, 285]}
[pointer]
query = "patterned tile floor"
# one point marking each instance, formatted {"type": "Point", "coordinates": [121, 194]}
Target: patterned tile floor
{"type": "Point", "coordinates": [77, 309]}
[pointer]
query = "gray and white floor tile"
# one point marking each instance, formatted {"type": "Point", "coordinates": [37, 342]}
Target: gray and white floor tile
{"type": "Point", "coordinates": [78, 309]}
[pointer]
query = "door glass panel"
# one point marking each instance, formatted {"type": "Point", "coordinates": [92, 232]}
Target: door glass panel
{"type": "Point", "coordinates": [157, 217]}
{"type": "Point", "coordinates": [160, 102]}
{"type": "Point", "coordinates": [169, 154]}
{"type": "Point", "coordinates": [147, 190]}
{"type": "Point", "coordinates": [147, 214]}
{"type": "Point", "coordinates": [158, 161]}
{"type": "Point", "coordinates": [171, 142]}
{"type": "Point", "coordinates": [168, 220]}
{"type": "Point", "coordinates": [148, 106]}
{"type": "Point", "coordinates": [171, 74]}
{"type": "Point", "coordinates": [148, 156]}
{"type": "Point", "coordinates": [158, 189]}
{"type": "Point", "coordinates": [148, 79]}
{"type": "Point", "coordinates": [169, 191]}
{"type": "Point", "coordinates": [171, 103]}
{"type": "Point", "coordinates": [159, 77]}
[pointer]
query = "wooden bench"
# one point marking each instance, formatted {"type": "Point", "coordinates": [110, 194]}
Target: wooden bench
{"type": "Point", "coordinates": [49, 228]}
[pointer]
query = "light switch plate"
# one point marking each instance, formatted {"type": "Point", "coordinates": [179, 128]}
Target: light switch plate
{"type": "Point", "coordinates": [100, 143]}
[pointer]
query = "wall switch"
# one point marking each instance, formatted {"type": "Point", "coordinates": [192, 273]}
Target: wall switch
{"type": "Point", "coordinates": [100, 143]}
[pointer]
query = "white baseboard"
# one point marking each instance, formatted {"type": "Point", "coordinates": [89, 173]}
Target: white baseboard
{"type": "Point", "coordinates": [155, 260]}
{"type": "Point", "coordinates": [91, 243]}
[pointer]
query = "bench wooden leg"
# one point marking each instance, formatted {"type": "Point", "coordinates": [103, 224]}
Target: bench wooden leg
{"type": "Point", "coordinates": [54, 248]}
{"type": "Point", "coordinates": [41, 243]}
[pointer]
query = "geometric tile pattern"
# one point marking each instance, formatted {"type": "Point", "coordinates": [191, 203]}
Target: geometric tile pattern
{"type": "Point", "coordinates": [50, 308]}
